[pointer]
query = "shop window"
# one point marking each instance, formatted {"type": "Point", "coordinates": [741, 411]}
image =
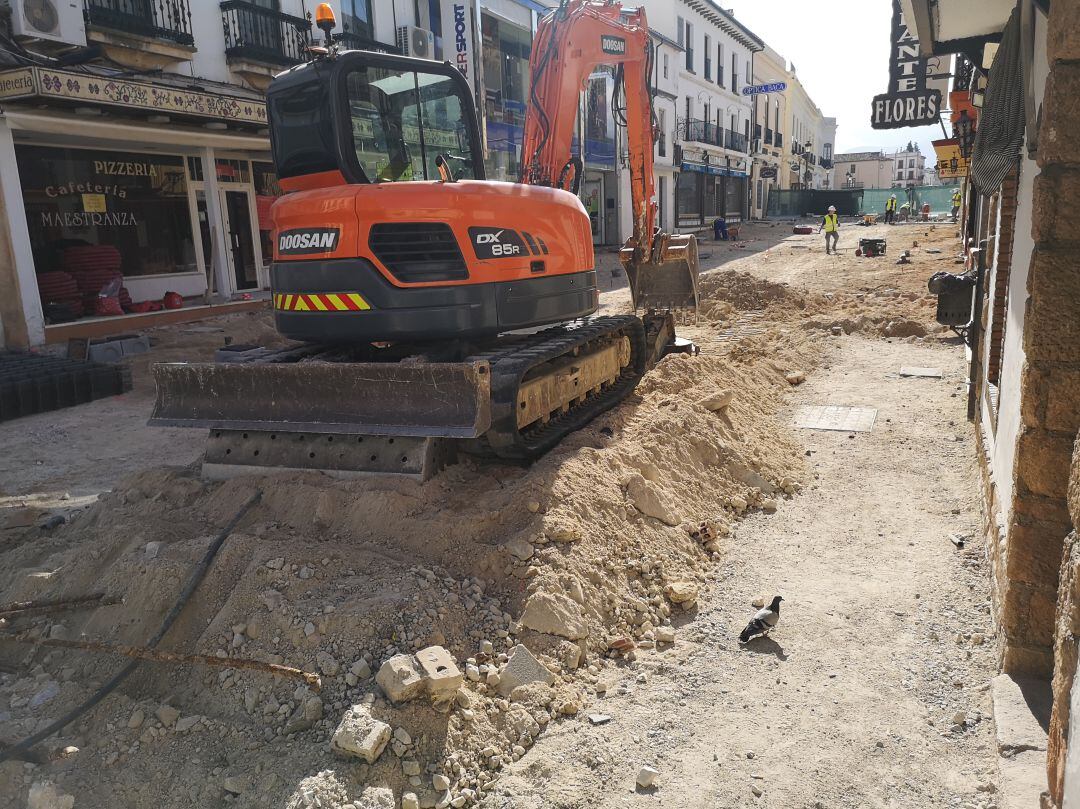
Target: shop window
{"type": "Point", "coordinates": [599, 126]}
{"type": "Point", "coordinates": [194, 165]}
{"type": "Point", "coordinates": [232, 171]}
{"type": "Point", "coordinates": [134, 202]}
{"type": "Point", "coordinates": [266, 191]}
{"type": "Point", "coordinates": [688, 197]}
{"type": "Point", "coordinates": [506, 50]}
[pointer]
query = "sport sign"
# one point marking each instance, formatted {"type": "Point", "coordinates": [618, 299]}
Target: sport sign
{"type": "Point", "coordinates": [760, 89]}
{"type": "Point", "coordinates": [908, 102]}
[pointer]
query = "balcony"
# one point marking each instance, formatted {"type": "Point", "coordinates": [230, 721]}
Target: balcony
{"type": "Point", "coordinates": [704, 132]}
{"type": "Point", "coordinates": [826, 164]}
{"type": "Point", "coordinates": [259, 42]}
{"type": "Point", "coordinates": [359, 42]}
{"type": "Point", "coordinates": [141, 34]}
{"type": "Point", "coordinates": [736, 141]}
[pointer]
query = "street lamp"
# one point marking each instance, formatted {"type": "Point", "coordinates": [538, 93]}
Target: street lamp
{"type": "Point", "coordinates": [964, 130]}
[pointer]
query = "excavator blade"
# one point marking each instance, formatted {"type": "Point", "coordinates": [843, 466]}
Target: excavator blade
{"type": "Point", "coordinates": [669, 283]}
{"type": "Point", "coordinates": [440, 400]}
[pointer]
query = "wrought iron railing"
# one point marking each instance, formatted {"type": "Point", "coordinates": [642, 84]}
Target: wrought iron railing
{"type": "Point", "coordinates": [359, 42]}
{"type": "Point", "coordinates": [768, 136]}
{"type": "Point", "coordinates": [264, 35]}
{"type": "Point", "coordinates": [704, 132]}
{"type": "Point", "coordinates": [964, 72]}
{"type": "Point", "coordinates": [160, 19]}
{"type": "Point", "coordinates": [736, 141]}
{"type": "Point", "coordinates": [826, 164]}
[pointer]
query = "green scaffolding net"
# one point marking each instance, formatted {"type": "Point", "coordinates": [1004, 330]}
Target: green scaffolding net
{"type": "Point", "coordinates": [856, 202]}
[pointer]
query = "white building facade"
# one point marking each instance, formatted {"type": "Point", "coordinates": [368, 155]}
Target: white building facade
{"type": "Point", "coordinates": [711, 130]}
{"type": "Point", "coordinates": [793, 141]}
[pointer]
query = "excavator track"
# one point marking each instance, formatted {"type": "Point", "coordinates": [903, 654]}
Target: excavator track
{"type": "Point", "coordinates": [510, 367]}
{"type": "Point", "coordinates": [341, 410]}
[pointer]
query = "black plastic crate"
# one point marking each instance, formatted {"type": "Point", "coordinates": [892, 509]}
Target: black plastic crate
{"type": "Point", "coordinates": [32, 384]}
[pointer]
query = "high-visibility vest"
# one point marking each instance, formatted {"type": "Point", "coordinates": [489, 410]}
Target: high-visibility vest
{"type": "Point", "coordinates": [890, 205]}
{"type": "Point", "coordinates": [832, 223]}
{"type": "Point", "coordinates": [956, 198]}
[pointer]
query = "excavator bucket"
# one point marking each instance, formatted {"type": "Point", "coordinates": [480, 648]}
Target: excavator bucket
{"type": "Point", "coordinates": [669, 283]}
{"type": "Point", "coordinates": [442, 400]}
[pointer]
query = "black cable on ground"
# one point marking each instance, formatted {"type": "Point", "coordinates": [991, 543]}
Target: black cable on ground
{"type": "Point", "coordinates": [21, 750]}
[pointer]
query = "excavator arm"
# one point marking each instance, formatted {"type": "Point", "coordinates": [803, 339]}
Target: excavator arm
{"type": "Point", "coordinates": [570, 43]}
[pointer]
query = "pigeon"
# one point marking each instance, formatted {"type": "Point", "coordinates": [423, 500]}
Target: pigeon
{"type": "Point", "coordinates": [763, 622]}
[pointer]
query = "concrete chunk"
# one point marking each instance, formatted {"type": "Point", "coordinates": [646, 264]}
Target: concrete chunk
{"type": "Point", "coordinates": [361, 735]}
{"type": "Point", "coordinates": [399, 679]}
{"type": "Point", "coordinates": [554, 614]}
{"type": "Point", "coordinates": [1021, 712]}
{"type": "Point", "coordinates": [521, 669]}
{"type": "Point", "coordinates": [440, 673]}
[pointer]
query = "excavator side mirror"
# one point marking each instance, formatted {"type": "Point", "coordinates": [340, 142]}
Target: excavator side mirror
{"type": "Point", "coordinates": [446, 175]}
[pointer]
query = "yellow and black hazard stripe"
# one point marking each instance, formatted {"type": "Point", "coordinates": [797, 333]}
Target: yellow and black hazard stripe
{"type": "Point", "coordinates": [321, 302]}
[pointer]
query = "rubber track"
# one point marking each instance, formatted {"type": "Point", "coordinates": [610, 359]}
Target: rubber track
{"type": "Point", "coordinates": [510, 359]}
{"type": "Point", "coordinates": [510, 364]}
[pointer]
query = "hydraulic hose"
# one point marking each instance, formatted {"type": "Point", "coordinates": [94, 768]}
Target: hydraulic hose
{"type": "Point", "coordinates": [21, 750]}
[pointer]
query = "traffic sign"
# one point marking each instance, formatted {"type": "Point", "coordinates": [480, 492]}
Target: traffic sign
{"type": "Point", "coordinates": [758, 89]}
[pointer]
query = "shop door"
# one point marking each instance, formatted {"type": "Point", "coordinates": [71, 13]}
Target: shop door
{"type": "Point", "coordinates": [592, 196]}
{"type": "Point", "coordinates": [237, 214]}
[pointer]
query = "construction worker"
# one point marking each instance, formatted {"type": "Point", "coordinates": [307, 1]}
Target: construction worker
{"type": "Point", "coordinates": [957, 199]}
{"type": "Point", "coordinates": [890, 210]}
{"type": "Point", "coordinates": [831, 226]}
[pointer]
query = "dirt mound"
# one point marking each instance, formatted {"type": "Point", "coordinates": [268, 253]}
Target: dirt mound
{"type": "Point", "coordinates": [586, 556]}
{"type": "Point", "coordinates": [748, 292]}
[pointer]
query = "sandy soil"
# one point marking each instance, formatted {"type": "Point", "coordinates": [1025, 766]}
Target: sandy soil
{"type": "Point", "coordinates": [662, 517]}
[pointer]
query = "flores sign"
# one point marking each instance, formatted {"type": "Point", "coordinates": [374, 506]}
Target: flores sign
{"type": "Point", "coordinates": [908, 101]}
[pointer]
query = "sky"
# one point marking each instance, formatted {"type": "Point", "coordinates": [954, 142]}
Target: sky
{"type": "Point", "coordinates": [840, 49]}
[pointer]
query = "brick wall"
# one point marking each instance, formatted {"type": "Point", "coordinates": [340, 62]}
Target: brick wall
{"type": "Point", "coordinates": [1066, 636]}
{"type": "Point", "coordinates": [1029, 564]}
{"type": "Point", "coordinates": [1002, 272]}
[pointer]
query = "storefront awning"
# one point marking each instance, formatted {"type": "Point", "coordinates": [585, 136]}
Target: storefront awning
{"type": "Point", "coordinates": [716, 171]}
{"type": "Point", "coordinates": [957, 26]}
{"type": "Point", "coordinates": [42, 84]}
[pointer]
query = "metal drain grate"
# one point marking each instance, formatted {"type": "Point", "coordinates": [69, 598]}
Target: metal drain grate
{"type": "Point", "coordinates": [32, 384]}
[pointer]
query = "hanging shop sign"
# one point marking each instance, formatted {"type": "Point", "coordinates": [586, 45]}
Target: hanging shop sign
{"type": "Point", "coordinates": [909, 102]}
{"type": "Point", "coordinates": [761, 89]}
{"type": "Point", "coordinates": [459, 44]}
{"type": "Point", "coordinates": [769, 173]}
{"type": "Point", "coordinates": [62, 85]}
{"type": "Point", "coordinates": [951, 163]}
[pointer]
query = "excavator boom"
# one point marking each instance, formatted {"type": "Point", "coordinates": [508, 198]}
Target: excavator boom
{"type": "Point", "coordinates": [571, 42]}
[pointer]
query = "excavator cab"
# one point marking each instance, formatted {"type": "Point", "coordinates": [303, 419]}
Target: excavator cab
{"type": "Point", "coordinates": [392, 233]}
{"type": "Point", "coordinates": [373, 118]}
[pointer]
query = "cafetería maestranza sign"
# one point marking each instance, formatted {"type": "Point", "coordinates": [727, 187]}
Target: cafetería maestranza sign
{"type": "Point", "coordinates": [41, 83]}
{"type": "Point", "coordinates": [908, 102]}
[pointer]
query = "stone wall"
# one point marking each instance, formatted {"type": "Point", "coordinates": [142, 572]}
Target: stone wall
{"type": "Point", "coordinates": [1066, 635]}
{"type": "Point", "coordinates": [1050, 393]}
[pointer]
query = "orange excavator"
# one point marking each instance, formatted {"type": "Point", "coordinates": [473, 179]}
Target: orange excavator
{"type": "Point", "coordinates": [435, 310]}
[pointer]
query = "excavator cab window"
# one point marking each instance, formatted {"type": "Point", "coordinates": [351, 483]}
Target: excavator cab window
{"type": "Point", "coordinates": [403, 120]}
{"type": "Point", "coordinates": [374, 118]}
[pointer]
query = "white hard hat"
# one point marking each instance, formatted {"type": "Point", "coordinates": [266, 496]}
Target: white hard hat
{"type": "Point", "coordinates": [893, 196]}
{"type": "Point", "coordinates": [832, 209]}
